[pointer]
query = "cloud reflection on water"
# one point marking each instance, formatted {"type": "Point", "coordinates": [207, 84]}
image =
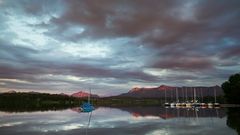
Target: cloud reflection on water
{"type": "Point", "coordinates": [109, 120]}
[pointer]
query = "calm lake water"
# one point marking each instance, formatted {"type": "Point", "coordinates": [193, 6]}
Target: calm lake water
{"type": "Point", "coordinates": [119, 121]}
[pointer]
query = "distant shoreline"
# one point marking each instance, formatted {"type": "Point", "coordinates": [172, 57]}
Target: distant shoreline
{"type": "Point", "coordinates": [39, 101]}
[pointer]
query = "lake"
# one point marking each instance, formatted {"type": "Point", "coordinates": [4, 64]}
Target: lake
{"type": "Point", "coordinates": [122, 121]}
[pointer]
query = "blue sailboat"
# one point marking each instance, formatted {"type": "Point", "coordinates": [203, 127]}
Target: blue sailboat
{"type": "Point", "coordinates": [87, 106]}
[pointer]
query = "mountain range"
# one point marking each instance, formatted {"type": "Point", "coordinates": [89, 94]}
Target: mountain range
{"type": "Point", "coordinates": [172, 91]}
{"type": "Point", "coordinates": [82, 94]}
{"type": "Point", "coordinates": [157, 92]}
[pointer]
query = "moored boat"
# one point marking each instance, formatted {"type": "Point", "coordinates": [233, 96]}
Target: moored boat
{"type": "Point", "coordinates": [87, 106]}
{"type": "Point", "coordinates": [210, 105]}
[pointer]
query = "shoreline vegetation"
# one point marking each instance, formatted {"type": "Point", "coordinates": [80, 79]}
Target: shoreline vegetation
{"type": "Point", "coordinates": [20, 101]}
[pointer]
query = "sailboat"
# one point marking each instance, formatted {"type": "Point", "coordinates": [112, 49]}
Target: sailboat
{"type": "Point", "coordinates": [166, 103]}
{"type": "Point", "coordinates": [215, 99]}
{"type": "Point", "coordinates": [203, 105]}
{"type": "Point", "coordinates": [210, 105]}
{"type": "Point", "coordinates": [173, 104]}
{"type": "Point", "coordinates": [183, 103]}
{"type": "Point", "coordinates": [188, 104]}
{"type": "Point", "coordinates": [195, 101]}
{"type": "Point", "coordinates": [87, 106]}
{"type": "Point", "coordinates": [177, 99]}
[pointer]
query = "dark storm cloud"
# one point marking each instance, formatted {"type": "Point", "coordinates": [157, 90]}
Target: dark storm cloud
{"type": "Point", "coordinates": [136, 18]}
{"type": "Point", "coordinates": [231, 52]}
{"type": "Point", "coordinates": [114, 18]}
{"type": "Point", "coordinates": [184, 63]}
{"type": "Point", "coordinates": [118, 41]}
{"type": "Point", "coordinates": [192, 26]}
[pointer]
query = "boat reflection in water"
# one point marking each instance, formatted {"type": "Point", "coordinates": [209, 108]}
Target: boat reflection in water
{"type": "Point", "coordinates": [89, 109]}
{"type": "Point", "coordinates": [168, 113]}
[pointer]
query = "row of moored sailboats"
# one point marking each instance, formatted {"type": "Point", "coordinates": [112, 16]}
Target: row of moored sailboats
{"type": "Point", "coordinates": [192, 103]}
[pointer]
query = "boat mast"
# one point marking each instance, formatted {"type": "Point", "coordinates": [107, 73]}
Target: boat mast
{"type": "Point", "coordinates": [183, 94]}
{"type": "Point", "coordinates": [89, 96]}
{"type": "Point", "coordinates": [194, 94]}
{"type": "Point", "coordinates": [186, 90]}
{"type": "Point", "coordinates": [215, 94]}
{"type": "Point", "coordinates": [165, 96]}
{"type": "Point", "coordinates": [177, 94]}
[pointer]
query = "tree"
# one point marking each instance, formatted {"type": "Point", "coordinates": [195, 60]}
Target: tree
{"type": "Point", "coordinates": [231, 89]}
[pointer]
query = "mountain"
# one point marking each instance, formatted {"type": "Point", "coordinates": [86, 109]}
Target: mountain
{"type": "Point", "coordinates": [11, 91]}
{"type": "Point", "coordinates": [82, 94]}
{"type": "Point", "coordinates": [171, 91]}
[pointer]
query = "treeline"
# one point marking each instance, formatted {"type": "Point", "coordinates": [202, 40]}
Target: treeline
{"type": "Point", "coordinates": [20, 102]}
{"type": "Point", "coordinates": [231, 89]}
{"type": "Point", "coordinates": [124, 101]}
{"type": "Point", "coordinates": [36, 101]}
{"type": "Point", "coordinates": [130, 101]}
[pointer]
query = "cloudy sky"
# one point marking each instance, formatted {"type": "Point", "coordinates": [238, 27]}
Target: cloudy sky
{"type": "Point", "coordinates": [113, 45]}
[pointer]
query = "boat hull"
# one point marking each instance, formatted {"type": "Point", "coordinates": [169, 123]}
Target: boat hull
{"type": "Point", "coordinates": [86, 107]}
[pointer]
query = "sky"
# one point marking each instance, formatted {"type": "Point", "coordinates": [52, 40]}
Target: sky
{"type": "Point", "coordinates": [111, 46]}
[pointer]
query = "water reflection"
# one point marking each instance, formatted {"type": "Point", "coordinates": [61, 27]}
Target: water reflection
{"type": "Point", "coordinates": [233, 119]}
{"type": "Point", "coordinates": [167, 113]}
{"type": "Point", "coordinates": [118, 121]}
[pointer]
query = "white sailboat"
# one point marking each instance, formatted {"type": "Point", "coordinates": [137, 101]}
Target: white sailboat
{"type": "Point", "coordinates": [173, 104]}
{"type": "Point", "coordinates": [188, 104]}
{"type": "Point", "coordinates": [210, 105]}
{"type": "Point", "coordinates": [215, 99]}
{"type": "Point", "coordinates": [165, 94]}
{"type": "Point", "coordinates": [183, 104]}
{"type": "Point", "coordinates": [203, 105]}
{"type": "Point", "coordinates": [177, 99]}
{"type": "Point", "coordinates": [194, 98]}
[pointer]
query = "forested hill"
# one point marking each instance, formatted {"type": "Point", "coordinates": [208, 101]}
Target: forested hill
{"type": "Point", "coordinates": [36, 101]}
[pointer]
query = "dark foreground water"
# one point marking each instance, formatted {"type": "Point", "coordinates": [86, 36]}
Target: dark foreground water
{"type": "Point", "coordinates": [122, 121]}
